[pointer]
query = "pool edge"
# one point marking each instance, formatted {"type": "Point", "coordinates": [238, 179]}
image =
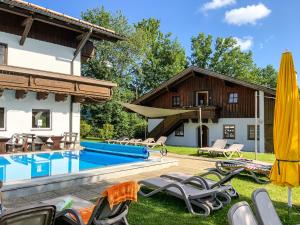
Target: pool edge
{"type": "Point", "coordinates": [40, 185]}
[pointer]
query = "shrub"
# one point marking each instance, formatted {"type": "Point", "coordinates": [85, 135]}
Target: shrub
{"type": "Point", "coordinates": [106, 132]}
{"type": "Point", "coordinates": [85, 129]}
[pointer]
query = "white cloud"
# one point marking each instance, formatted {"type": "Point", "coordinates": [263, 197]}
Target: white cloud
{"type": "Point", "coordinates": [247, 15]}
{"type": "Point", "coordinates": [245, 43]}
{"type": "Point", "coordinates": [216, 4]}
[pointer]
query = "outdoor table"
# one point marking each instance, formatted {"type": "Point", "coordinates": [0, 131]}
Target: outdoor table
{"type": "Point", "coordinates": [3, 141]}
{"type": "Point", "coordinates": [77, 204]}
{"type": "Point", "coordinates": [44, 139]}
{"type": "Point", "coordinates": [56, 142]}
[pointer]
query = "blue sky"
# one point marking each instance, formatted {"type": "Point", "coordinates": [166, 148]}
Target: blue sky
{"type": "Point", "coordinates": [267, 27]}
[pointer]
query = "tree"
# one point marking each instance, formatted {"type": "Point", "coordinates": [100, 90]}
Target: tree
{"type": "Point", "coordinates": [161, 57]}
{"type": "Point", "coordinates": [226, 57]}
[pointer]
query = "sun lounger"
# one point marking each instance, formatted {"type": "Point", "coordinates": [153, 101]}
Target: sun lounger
{"type": "Point", "coordinates": [131, 141]}
{"type": "Point", "coordinates": [224, 197]}
{"type": "Point", "coordinates": [199, 202]}
{"type": "Point", "coordinates": [264, 208]}
{"type": "Point", "coordinates": [107, 211]}
{"type": "Point", "coordinates": [38, 214]}
{"type": "Point", "coordinates": [259, 171]}
{"type": "Point", "coordinates": [145, 142]}
{"type": "Point", "coordinates": [111, 141]}
{"type": "Point", "coordinates": [160, 142]}
{"type": "Point", "coordinates": [229, 152]}
{"type": "Point", "coordinates": [219, 144]}
{"type": "Point", "coordinates": [241, 214]}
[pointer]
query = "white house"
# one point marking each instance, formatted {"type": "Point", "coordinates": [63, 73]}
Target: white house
{"type": "Point", "coordinates": [41, 52]}
{"type": "Point", "coordinates": [228, 110]}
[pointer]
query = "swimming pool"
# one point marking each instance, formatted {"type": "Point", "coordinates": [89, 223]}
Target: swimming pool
{"type": "Point", "coordinates": [36, 165]}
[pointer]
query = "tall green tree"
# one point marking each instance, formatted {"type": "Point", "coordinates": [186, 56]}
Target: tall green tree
{"type": "Point", "coordinates": [226, 57]}
{"type": "Point", "coordinates": [162, 57]}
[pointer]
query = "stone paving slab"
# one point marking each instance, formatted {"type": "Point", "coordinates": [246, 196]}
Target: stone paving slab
{"type": "Point", "coordinates": [186, 164]}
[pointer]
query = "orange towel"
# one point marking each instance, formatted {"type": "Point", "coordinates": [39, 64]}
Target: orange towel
{"type": "Point", "coordinates": [121, 192]}
{"type": "Point", "coordinates": [86, 214]}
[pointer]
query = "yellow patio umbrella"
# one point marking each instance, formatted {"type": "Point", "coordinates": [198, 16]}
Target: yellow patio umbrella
{"type": "Point", "coordinates": [286, 169]}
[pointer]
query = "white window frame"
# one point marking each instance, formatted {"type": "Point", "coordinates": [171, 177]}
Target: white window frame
{"type": "Point", "coordinates": [42, 129]}
{"type": "Point", "coordinates": [202, 92]}
{"type": "Point", "coordinates": [4, 122]}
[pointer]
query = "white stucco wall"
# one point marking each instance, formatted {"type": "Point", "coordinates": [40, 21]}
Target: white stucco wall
{"type": "Point", "coordinates": [18, 114]}
{"type": "Point", "coordinates": [190, 137]}
{"type": "Point", "coordinates": [152, 123]}
{"type": "Point", "coordinates": [41, 55]}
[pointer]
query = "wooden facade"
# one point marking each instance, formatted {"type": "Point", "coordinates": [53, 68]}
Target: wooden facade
{"type": "Point", "coordinates": [218, 96]}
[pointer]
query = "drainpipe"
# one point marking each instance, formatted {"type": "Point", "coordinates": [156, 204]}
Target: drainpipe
{"type": "Point", "coordinates": [71, 115]}
{"type": "Point", "coordinates": [256, 124]}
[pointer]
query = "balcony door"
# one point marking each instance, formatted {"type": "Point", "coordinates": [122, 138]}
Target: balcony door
{"type": "Point", "coordinates": [201, 98]}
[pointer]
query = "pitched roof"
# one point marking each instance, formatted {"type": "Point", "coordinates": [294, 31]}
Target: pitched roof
{"type": "Point", "coordinates": [56, 17]}
{"type": "Point", "coordinates": [194, 69]}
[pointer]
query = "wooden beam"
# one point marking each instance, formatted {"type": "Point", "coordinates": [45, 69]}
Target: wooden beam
{"type": "Point", "coordinates": [60, 97]}
{"type": "Point", "coordinates": [42, 95]}
{"type": "Point", "coordinates": [20, 94]}
{"type": "Point", "coordinates": [27, 24]}
{"type": "Point", "coordinates": [78, 99]}
{"type": "Point", "coordinates": [83, 41]}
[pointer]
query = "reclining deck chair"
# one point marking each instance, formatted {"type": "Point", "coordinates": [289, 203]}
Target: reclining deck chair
{"type": "Point", "coordinates": [218, 144]}
{"type": "Point", "coordinates": [228, 152]}
{"type": "Point", "coordinates": [199, 202]}
{"type": "Point", "coordinates": [241, 214]}
{"type": "Point", "coordinates": [39, 214]}
{"type": "Point", "coordinates": [107, 210]}
{"type": "Point", "coordinates": [209, 183]}
{"type": "Point", "coordinates": [160, 142]}
{"type": "Point", "coordinates": [264, 208]}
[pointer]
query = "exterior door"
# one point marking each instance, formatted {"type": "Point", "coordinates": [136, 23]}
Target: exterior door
{"type": "Point", "coordinates": [204, 136]}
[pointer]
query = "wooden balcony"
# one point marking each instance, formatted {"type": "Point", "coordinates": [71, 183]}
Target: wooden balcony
{"type": "Point", "coordinates": [82, 88]}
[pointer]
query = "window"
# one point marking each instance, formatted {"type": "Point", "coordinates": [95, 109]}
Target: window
{"type": "Point", "coordinates": [201, 98]}
{"type": "Point", "coordinates": [2, 119]}
{"type": "Point", "coordinates": [233, 98]}
{"type": "Point", "coordinates": [180, 131]}
{"type": "Point", "coordinates": [175, 101]}
{"type": "Point", "coordinates": [41, 118]}
{"type": "Point", "coordinates": [3, 54]}
{"type": "Point", "coordinates": [229, 131]}
{"type": "Point", "coordinates": [251, 132]}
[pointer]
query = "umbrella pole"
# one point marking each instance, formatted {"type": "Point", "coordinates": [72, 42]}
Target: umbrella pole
{"type": "Point", "coordinates": [200, 126]}
{"type": "Point", "coordinates": [146, 127]}
{"type": "Point", "coordinates": [289, 200]}
{"type": "Point", "coordinates": [255, 127]}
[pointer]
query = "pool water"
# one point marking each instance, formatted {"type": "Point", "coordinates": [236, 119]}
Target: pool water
{"type": "Point", "coordinates": [31, 166]}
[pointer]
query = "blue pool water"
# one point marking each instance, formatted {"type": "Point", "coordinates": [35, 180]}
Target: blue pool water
{"type": "Point", "coordinates": [31, 166]}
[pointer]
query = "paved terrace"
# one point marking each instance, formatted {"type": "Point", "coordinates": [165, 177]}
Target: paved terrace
{"type": "Point", "coordinates": [186, 164]}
